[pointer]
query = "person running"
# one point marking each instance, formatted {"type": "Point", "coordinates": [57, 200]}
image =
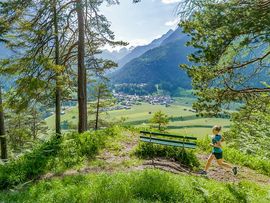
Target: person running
{"type": "Point", "coordinates": [217, 152]}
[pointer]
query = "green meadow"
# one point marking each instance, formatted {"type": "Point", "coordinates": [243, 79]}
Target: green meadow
{"type": "Point", "coordinates": [183, 120]}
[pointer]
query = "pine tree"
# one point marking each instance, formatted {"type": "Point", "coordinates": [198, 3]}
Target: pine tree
{"type": "Point", "coordinates": [37, 34]}
{"type": "Point", "coordinates": [25, 128]}
{"type": "Point", "coordinates": [232, 51]}
{"type": "Point", "coordinates": [103, 100]}
{"type": "Point", "coordinates": [93, 33]}
{"type": "Point", "coordinates": [80, 28]}
{"type": "Point", "coordinates": [3, 139]}
{"type": "Point", "coordinates": [161, 119]}
{"type": "Point", "coordinates": [82, 83]}
{"type": "Point", "coordinates": [57, 62]}
{"type": "Point", "coordinates": [36, 123]}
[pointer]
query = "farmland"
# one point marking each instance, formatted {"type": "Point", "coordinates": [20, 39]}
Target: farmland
{"type": "Point", "coordinates": [183, 119]}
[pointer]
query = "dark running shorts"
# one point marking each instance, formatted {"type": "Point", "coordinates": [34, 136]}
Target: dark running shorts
{"type": "Point", "coordinates": [218, 155]}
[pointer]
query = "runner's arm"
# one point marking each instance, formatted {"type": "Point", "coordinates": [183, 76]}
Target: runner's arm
{"type": "Point", "coordinates": [222, 139]}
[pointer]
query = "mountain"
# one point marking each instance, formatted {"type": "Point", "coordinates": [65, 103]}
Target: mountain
{"type": "Point", "coordinates": [115, 55]}
{"type": "Point", "coordinates": [176, 35]}
{"type": "Point", "coordinates": [138, 51]}
{"type": "Point", "coordinates": [159, 65]}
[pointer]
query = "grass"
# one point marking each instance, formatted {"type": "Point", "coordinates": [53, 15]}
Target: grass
{"type": "Point", "coordinates": [235, 156]}
{"type": "Point", "coordinates": [140, 186]}
{"type": "Point", "coordinates": [55, 155]}
{"type": "Point", "coordinates": [139, 115]}
{"type": "Point", "coordinates": [137, 186]}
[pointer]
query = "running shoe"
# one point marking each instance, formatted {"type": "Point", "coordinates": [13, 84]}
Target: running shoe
{"type": "Point", "coordinates": [234, 170]}
{"type": "Point", "coordinates": [203, 172]}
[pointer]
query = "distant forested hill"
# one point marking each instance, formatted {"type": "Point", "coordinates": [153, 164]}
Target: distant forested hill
{"type": "Point", "coordinates": [159, 65]}
{"type": "Point", "coordinates": [138, 51]}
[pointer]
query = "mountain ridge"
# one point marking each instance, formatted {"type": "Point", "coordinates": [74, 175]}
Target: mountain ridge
{"type": "Point", "coordinates": [159, 65]}
{"type": "Point", "coordinates": [139, 50]}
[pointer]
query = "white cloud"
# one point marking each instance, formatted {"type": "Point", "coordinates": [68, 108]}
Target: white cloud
{"type": "Point", "coordinates": [170, 1]}
{"type": "Point", "coordinates": [132, 43]}
{"type": "Point", "coordinates": [172, 22]}
{"type": "Point", "coordinates": [138, 42]}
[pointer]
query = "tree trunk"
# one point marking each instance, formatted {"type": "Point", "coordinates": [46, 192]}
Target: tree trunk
{"type": "Point", "coordinates": [34, 124]}
{"type": "Point", "coordinates": [3, 139]}
{"type": "Point", "coordinates": [82, 95]}
{"type": "Point", "coordinates": [97, 114]}
{"type": "Point", "coordinates": [57, 62]}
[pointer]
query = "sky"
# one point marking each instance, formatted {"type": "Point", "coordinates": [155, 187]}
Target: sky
{"type": "Point", "coordinates": [140, 23]}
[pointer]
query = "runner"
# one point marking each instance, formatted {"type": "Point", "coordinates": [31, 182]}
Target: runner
{"type": "Point", "coordinates": [217, 152]}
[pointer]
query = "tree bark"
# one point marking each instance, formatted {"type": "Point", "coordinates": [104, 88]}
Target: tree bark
{"type": "Point", "coordinates": [82, 94]}
{"type": "Point", "coordinates": [97, 113]}
{"type": "Point", "coordinates": [3, 138]}
{"type": "Point", "coordinates": [34, 124]}
{"type": "Point", "coordinates": [57, 62]}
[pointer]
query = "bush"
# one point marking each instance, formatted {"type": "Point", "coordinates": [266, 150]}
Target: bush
{"type": "Point", "coordinates": [185, 157]}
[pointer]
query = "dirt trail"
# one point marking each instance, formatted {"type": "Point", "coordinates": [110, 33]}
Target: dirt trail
{"type": "Point", "coordinates": [225, 175]}
{"type": "Point", "coordinates": [114, 161]}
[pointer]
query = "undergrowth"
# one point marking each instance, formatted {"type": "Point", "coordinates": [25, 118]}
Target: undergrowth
{"type": "Point", "coordinates": [140, 186]}
{"type": "Point", "coordinates": [235, 156]}
{"type": "Point", "coordinates": [182, 156]}
{"type": "Point", "coordinates": [55, 155]}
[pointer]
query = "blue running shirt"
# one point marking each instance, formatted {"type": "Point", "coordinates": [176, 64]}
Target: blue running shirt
{"type": "Point", "coordinates": [215, 140]}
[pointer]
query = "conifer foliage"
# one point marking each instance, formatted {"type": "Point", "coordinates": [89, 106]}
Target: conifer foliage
{"type": "Point", "coordinates": [50, 38]}
{"type": "Point", "coordinates": [231, 62]}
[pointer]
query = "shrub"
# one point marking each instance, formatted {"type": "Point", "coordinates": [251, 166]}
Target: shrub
{"type": "Point", "coordinates": [185, 157]}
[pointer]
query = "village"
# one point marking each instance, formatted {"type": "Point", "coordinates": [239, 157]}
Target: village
{"type": "Point", "coordinates": [125, 101]}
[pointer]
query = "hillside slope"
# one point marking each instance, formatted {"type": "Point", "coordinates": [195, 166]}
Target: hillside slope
{"type": "Point", "coordinates": [158, 66]}
{"type": "Point", "coordinates": [138, 51]}
{"type": "Point", "coordinates": [74, 173]}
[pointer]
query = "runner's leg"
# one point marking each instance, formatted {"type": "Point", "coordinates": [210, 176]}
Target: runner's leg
{"type": "Point", "coordinates": [209, 161]}
{"type": "Point", "coordinates": [222, 164]}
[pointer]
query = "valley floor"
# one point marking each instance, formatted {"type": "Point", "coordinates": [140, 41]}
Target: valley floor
{"type": "Point", "coordinates": [184, 120]}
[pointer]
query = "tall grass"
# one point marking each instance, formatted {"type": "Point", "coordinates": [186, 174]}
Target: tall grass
{"type": "Point", "coordinates": [140, 186]}
{"type": "Point", "coordinates": [55, 155]}
{"type": "Point", "coordinates": [237, 157]}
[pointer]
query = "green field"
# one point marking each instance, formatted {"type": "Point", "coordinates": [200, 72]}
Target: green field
{"type": "Point", "coordinates": [184, 121]}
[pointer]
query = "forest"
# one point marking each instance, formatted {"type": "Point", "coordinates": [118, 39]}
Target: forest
{"type": "Point", "coordinates": [182, 118]}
